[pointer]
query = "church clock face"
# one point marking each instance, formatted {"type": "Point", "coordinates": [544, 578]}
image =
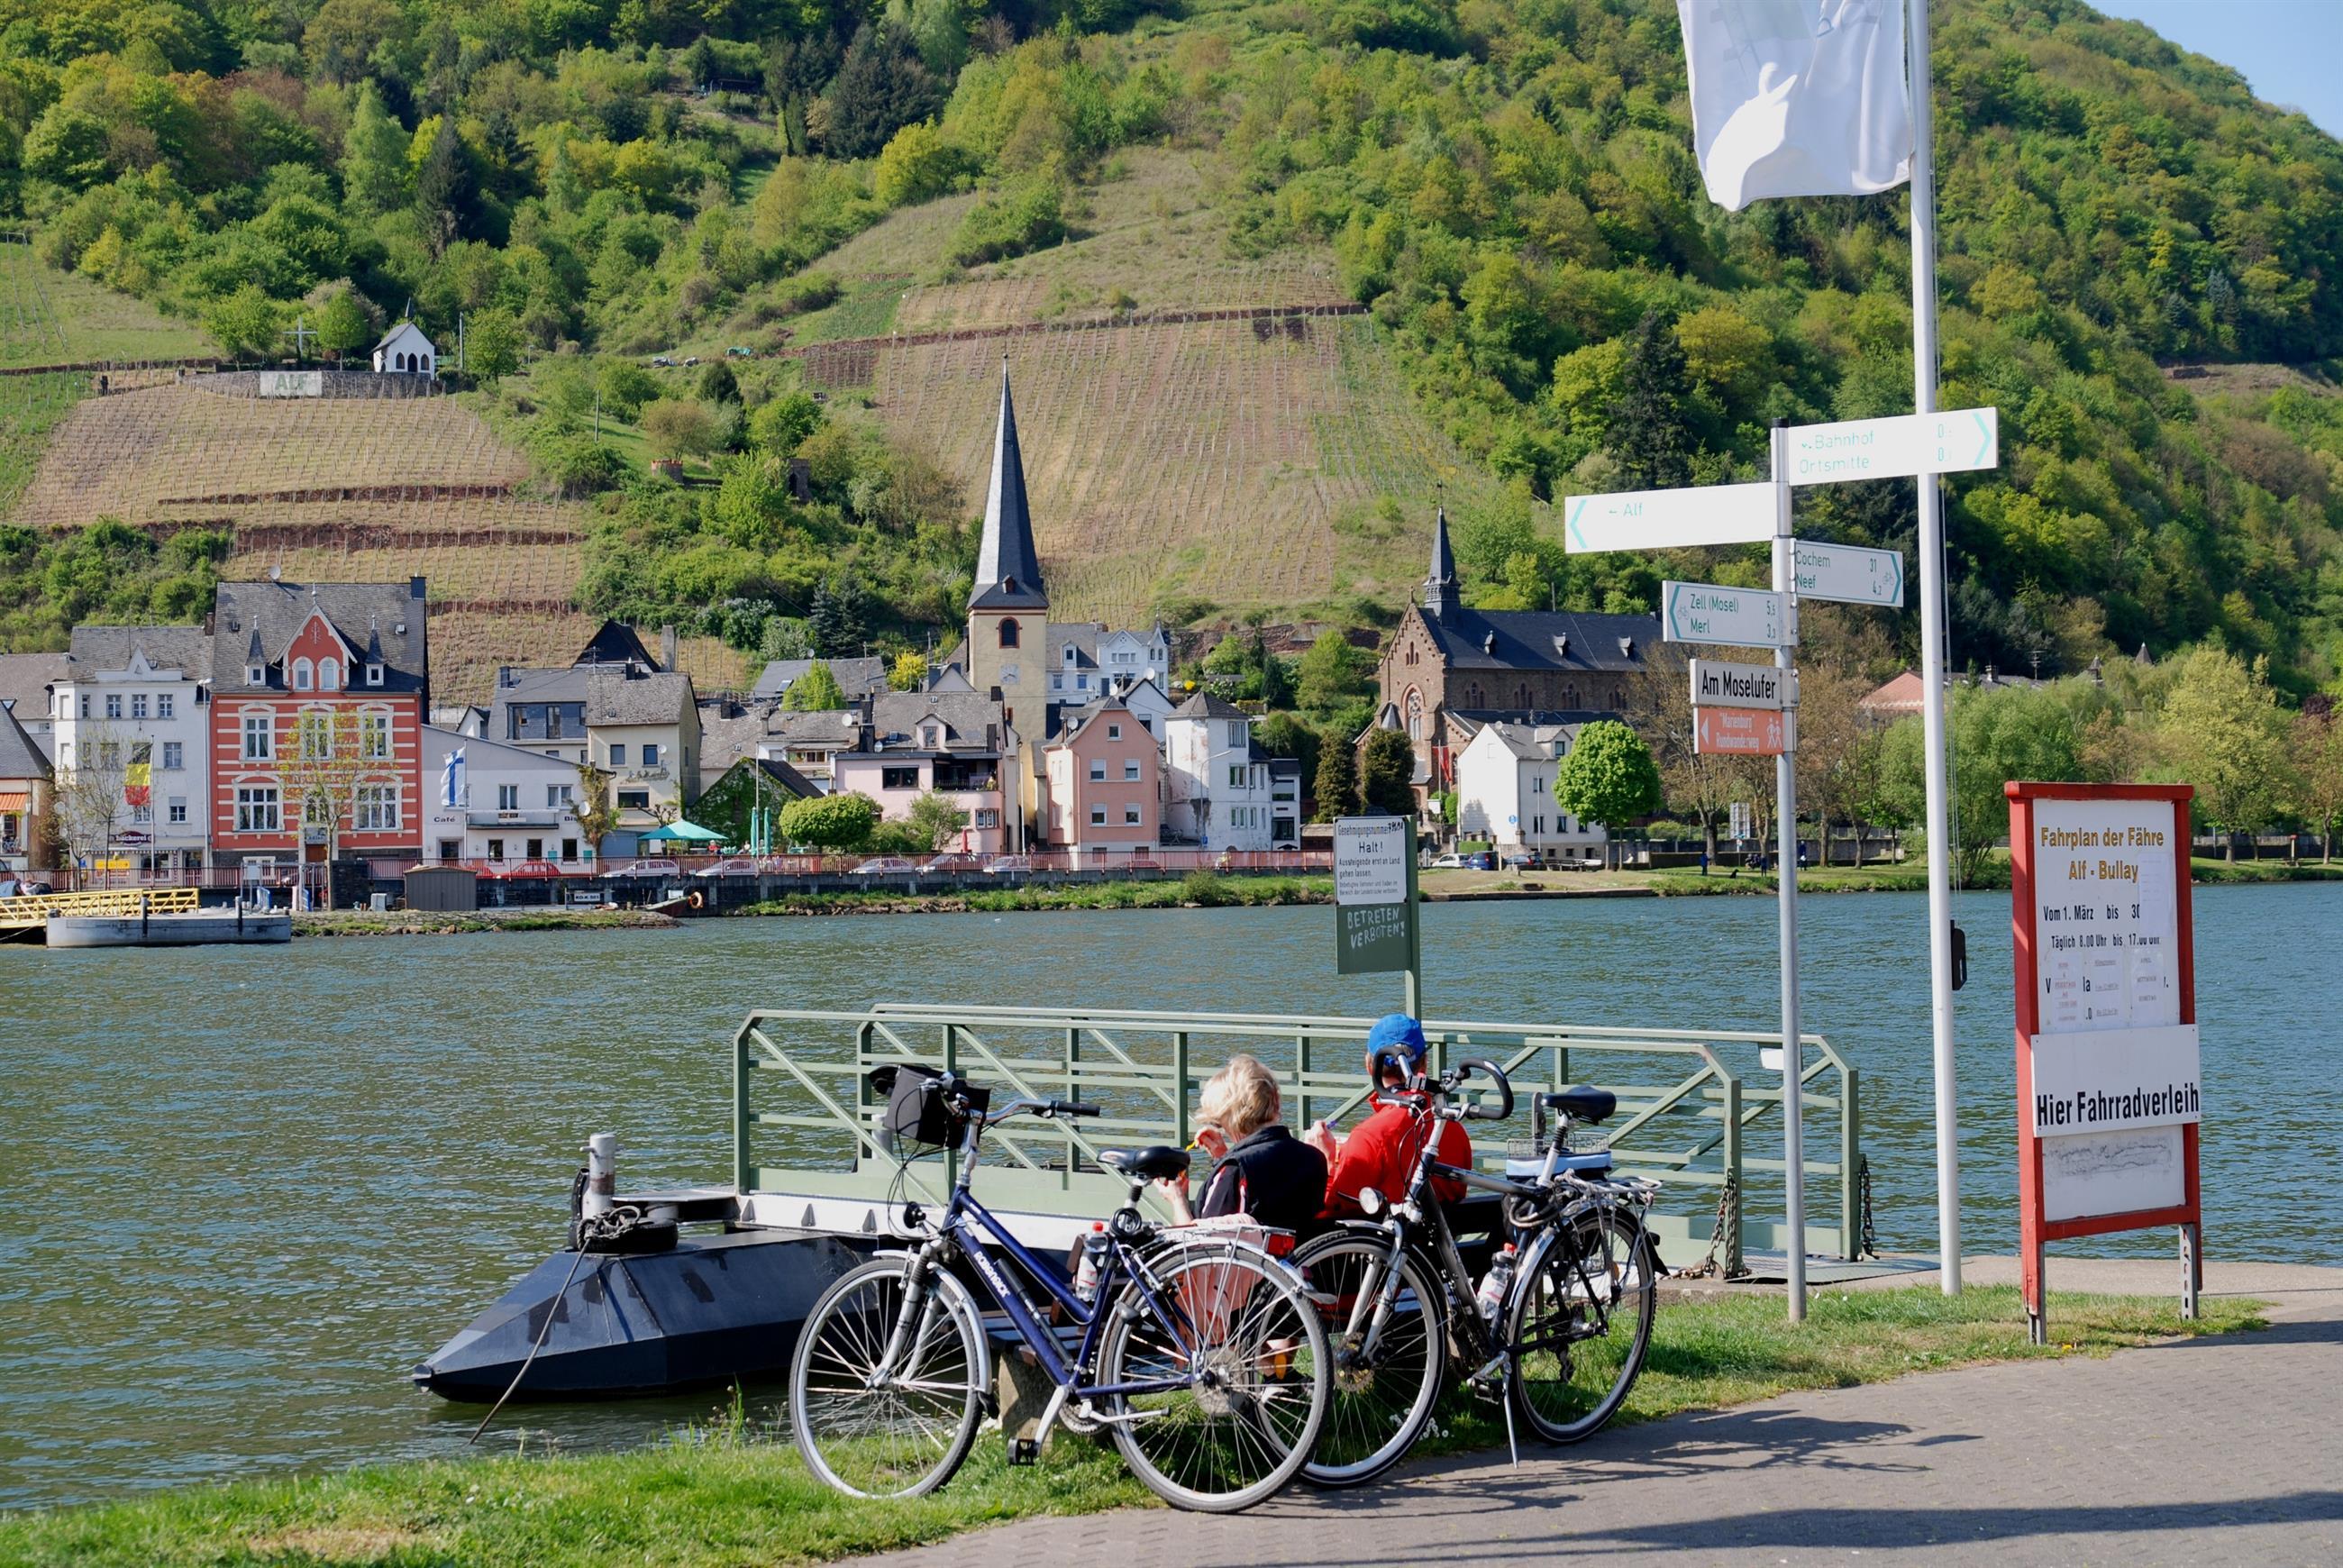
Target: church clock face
{"type": "Point", "coordinates": [1008, 674]}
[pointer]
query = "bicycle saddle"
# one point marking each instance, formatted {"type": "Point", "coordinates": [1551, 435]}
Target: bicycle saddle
{"type": "Point", "coordinates": [1161, 1163]}
{"type": "Point", "coordinates": [1581, 1103]}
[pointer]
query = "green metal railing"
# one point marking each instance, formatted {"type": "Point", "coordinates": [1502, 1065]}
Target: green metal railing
{"type": "Point", "coordinates": [1696, 1110]}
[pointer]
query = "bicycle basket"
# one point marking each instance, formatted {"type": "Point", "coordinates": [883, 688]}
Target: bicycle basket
{"type": "Point", "coordinates": [918, 1114]}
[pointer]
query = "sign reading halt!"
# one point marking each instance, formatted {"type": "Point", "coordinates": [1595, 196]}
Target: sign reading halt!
{"type": "Point", "coordinates": [1375, 895]}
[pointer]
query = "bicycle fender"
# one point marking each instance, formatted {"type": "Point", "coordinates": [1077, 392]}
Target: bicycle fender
{"type": "Point", "coordinates": [958, 1300]}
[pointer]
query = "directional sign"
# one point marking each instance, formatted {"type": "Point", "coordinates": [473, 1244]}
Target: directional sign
{"type": "Point", "coordinates": [1849, 575]}
{"type": "Point", "coordinates": [1716, 684]}
{"type": "Point", "coordinates": [1740, 732]}
{"type": "Point", "coordinates": [1897, 447]}
{"type": "Point", "coordinates": [1739, 617]}
{"type": "Point", "coordinates": [1668, 519]}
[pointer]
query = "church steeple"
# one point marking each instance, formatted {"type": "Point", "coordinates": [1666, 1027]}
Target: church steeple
{"type": "Point", "coordinates": [1007, 568]}
{"type": "Point", "coordinates": [1440, 587]}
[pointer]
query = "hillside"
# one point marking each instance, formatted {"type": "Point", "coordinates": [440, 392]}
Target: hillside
{"type": "Point", "coordinates": [51, 317]}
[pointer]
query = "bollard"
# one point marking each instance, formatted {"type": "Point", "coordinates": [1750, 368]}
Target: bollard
{"type": "Point", "coordinates": [601, 1175]}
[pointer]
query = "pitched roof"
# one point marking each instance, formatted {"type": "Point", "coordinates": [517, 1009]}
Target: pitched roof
{"type": "Point", "coordinates": [1904, 694]}
{"type": "Point", "coordinates": [21, 756]}
{"type": "Point", "coordinates": [969, 722]}
{"type": "Point", "coordinates": [729, 731]}
{"type": "Point", "coordinates": [615, 642]}
{"type": "Point", "coordinates": [1007, 568]}
{"type": "Point", "coordinates": [1204, 705]}
{"type": "Point", "coordinates": [618, 694]}
{"type": "Point", "coordinates": [1439, 583]}
{"type": "Point", "coordinates": [104, 648]}
{"type": "Point", "coordinates": [1540, 640]}
{"type": "Point", "coordinates": [397, 327]}
{"type": "Point", "coordinates": [26, 676]}
{"type": "Point", "coordinates": [855, 676]}
{"type": "Point", "coordinates": [362, 614]}
{"type": "Point", "coordinates": [780, 773]}
{"type": "Point", "coordinates": [820, 726]}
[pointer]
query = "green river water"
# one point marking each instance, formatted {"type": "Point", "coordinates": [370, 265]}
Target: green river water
{"type": "Point", "coordinates": [249, 1189]}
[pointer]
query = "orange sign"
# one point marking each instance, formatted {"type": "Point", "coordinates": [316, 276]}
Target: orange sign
{"type": "Point", "coordinates": [1739, 731]}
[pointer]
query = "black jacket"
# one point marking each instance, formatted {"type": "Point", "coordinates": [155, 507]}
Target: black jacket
{"type": "Point", "coordinates": [1270, 1175]}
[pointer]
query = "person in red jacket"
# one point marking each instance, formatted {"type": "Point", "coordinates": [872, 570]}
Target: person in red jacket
{"type": "Point", "coordinates": [1382, 1152]}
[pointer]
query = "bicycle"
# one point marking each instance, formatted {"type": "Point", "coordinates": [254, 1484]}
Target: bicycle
{"type": "Point", "coordinates": [1569, 1333]}
{"type": "Point", "coordinates": [1200, 1354]}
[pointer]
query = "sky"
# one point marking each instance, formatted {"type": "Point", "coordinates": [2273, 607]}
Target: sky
{"type": "Point", "coordinates": [2289, 51]}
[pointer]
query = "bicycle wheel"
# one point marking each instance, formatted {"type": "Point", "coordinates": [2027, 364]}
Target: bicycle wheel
{"type": "Point", "coordinates": [1242, 1360]}
{"type": "Point", "coordinates": [905, 1437]}
{"type": "Point", "coordinates": [1382, 1404]}
{"type": "Point", "coordinates": [1578, 1327]}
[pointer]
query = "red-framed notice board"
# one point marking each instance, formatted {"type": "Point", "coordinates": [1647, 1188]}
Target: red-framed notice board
{"type": "Point", "coordinates": [2108, 1093]}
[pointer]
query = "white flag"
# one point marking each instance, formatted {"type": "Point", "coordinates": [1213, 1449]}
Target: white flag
{"type": "Point", "coordinates": [1797, 98]}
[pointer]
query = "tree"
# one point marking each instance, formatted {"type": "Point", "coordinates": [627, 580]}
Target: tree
{"type": "Point", "coordinates": [933, 817]}
{"type": "Point", "coordinates": [86, 797]}
{"type": "Point", "coordinates": [447, 184]}
{"type": "Point", "coordinates": [1288, 735]}
{"type": "Point", "coordinates": [718, 383]}
{"type": "Point", "coordinates": [1276, 679]}
{"type": "Point", "coordinates": [917, 165]}
{"type": "Point", "coordinates": [1701, 785]}
{"type": "Point", "coordinates": [1333, 673]}
{"type": "Point", "coordinates": [343, 326]}
{"type": "Point", "coordinates": [624, 387]}
{"type": "Point", "coordinates": [908, 673]}
{"type": "Point", "coordinates": [333, 752]}
{"type": "Point", "coordinates": [837, 619]}
{"type": "Point", "coordinates": [780, 425]}
{"type": "Point", "coordinates": [2223, 731]}
{"type": "Point", "coordinates": [1837, 750]}
{"type": "Point", "coordinates": [2317, 756]}
{"type": "Point", "coordinates": [677, 427]}
{"type": "Point", "coordinates": [1387, 773]}
{"type": "Point", "coordinates": [831, 821]}
{"type": "Point", "coordinates": [491, 345]}
{"type": "Point", "coordinates": [1608, 777]}
{"type": "Point", "coordinates": [243, 323]}
{"type": "Point", "coordinates": [374, 157]}
{"type": "Point", "coordinates": [1648, 432]}
{"type": "Point", "coordinates": [1998, 734]}
{"type": "Point", "coordinates": [596, 810]}
{"type": "Point", "coordinates": [881, 86]}
{"type": "Point", "coordinates": [815, 691]}
{"type": "Point", "coordinates": [786, 636]}
{"type": "Point", "coordinates": [1335, 786]}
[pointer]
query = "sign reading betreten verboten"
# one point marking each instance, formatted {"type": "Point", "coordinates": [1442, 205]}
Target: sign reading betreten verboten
{"type": "Point", "coordinates": [1375, 904]}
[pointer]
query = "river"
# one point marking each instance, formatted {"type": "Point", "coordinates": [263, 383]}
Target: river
{"type": "Point", "coordinates": [249, 1189]}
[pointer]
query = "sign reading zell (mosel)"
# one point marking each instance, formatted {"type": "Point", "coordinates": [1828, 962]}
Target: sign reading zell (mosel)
{"type": "Point", "coordinates": [1374, 913]}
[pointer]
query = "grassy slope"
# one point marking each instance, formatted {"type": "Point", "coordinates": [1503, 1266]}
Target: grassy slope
{"type": "Point", "coordinates": [50, 317]}
{"type": "Point", "coordinates": [737, 1496]}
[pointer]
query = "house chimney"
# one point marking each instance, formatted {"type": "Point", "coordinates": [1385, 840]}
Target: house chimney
{"type": "Point", "coordinates": [415, 588]}
{"type": "Point", "coordinates": [667, 648]}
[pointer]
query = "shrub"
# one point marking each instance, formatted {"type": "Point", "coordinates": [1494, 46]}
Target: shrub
{"type": "Point", "coordinates": [1011, 222]}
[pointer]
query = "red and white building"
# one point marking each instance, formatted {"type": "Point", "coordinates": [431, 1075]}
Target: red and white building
{"type": "Point", "coordinates": [319, 691]}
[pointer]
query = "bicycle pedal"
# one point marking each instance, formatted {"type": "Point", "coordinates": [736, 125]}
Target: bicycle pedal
{"type": "Point", "coordinates": [1024, 1451]}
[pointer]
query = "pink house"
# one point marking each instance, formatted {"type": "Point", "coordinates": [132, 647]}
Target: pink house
{"type": "Point", "coordinates": [1105, 781]}
{"type": "Point", "coordinates": [949, 741]}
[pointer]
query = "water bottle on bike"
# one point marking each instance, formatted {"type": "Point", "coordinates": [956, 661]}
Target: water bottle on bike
{"type": "Point", "coordinates": [1494, 1283]}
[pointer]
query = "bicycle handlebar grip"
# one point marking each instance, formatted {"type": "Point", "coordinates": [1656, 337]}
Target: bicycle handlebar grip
{"type": "Point", "coordinates": [1072, 1108]}
{"type": "Point", "coordinates": [1505, 1088]}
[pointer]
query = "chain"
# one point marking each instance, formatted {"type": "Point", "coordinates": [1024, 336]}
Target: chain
{"type": "Point", "coordinates": [1728, 1209]}
{"type": "Point", "coordinates": [1869, 1246]}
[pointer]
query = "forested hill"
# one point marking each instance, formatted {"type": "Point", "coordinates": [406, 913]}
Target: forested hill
{"type": "Point", "coordinates": [1507, 185]}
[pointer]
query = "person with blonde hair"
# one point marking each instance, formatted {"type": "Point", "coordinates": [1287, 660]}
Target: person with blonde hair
{"type": "Point", "coordinates": [1258, 1167]}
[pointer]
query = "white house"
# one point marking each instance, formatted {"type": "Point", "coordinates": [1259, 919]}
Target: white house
{"type": "Point", "coordinates": [1217, 783]}
{"type": "Point", "coordinates": [498, 804]}
{"type": "Point", "coordinates": [139, 697]}
{"type": "Point", "coordinates": [1504, 790]}
{"type": "Point", "coordinates": [1086, 658]}
{"type": "Point", "coordinates": [404, 350]}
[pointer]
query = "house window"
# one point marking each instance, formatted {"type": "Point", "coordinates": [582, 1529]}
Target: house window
{"type": "Point", "coordinates": [138, 705]}
{"type": "Point", "coordinates": [1131, 772]}
{"type": "Point", "coordinates": [618, 759]}
{"type": "Point", "coordinates": [378, 807]}
{"type": "Point", "coordinates": [560, 797]}
{"type": "Point", "coordinates": [1097, 816]}
{"type": "Point", "coordinates": [256, 810]}
{"type": "Point", "coordinates": [1537, 783]}
{"type": "Point", "coordinates": [329, 675]}
{"type": "Point", "coordinates": [1236, 732]}
{"type": "Point", "coordinates": [1236, 776]}
{"type": "Point", "coordinates": [899, 778]}
{"type": "Point", "coordinates": [507, 797]}
{"type": "Point", "coordinates": [1414, 714]}
{"type": "Point", "coordinates": [634, 799]}
{"type": "Point", "coordinates": [987, 817]}
{"type": "Point", "coordinates": [174, 756]}
{"type": "Point", "coordinates": [374, 675]}
{"type": "Point", "coordinates": [259, 738]}
{"type": "Point", "coordinates": [317, 731]}
{"type": "Point", "coordinates": [165, 705]}
{"type": "Point", "coordinates": [1130, 816]}
{"type": "Point", "coordinates": [141, 815]}
{"type": "Point", "coordinates": [450, 851]}
{"type": "Point", "coordinates": [373, 737]}
{"type": "Point", "coordinates": [1081, 683]}
{"type": "Point", "coordinates": [1114, 732]}
{"type": "Point", "coordinates": [932, 737]}
{"type": "Point", "coordinates": [178, 810]}
{"type": "Point", "coordinates": [651, 754]}
{"type": "Point", "coordinates": [113, 705]}
{"type": "Point", "coordinates": [1098, 773]}
{"type": "Point", "coordinates": [255, 675]}
{"type": "Point", "coordinates": [1009, 633]}
{"type": "Point", "coordinates": [85, 705]}
{"type": "Point", "coordinates": [496, 849]}
{"type": "Point", "coordinates": [303, 677]}
{"type": "Point", "coordinates": [569, 849]}
{"type": "Point", "coordinates": [535, 847]}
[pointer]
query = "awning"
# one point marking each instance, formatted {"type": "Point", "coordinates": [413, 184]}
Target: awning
{"type": "Point", "coordinates": [14, 799]}
{"type": "Point", "coordinates": [681, 831]}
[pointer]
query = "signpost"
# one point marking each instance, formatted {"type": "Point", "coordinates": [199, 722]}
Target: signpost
{"type": "Point", "coordinates": [1667, 519]}
{"type": "Point", "coordinates": [1740, 732]}
{"type": "Point", "coordinates": [1846, 575]}
{"type": "Point", "coordinates": [1376, 924]}
{"type": "Point", "coordinates": [1717, 684]}
{"type": "Point", "coordinates": [1737, 617]}
{"type": "Point", "coordinates": [2108, 1089]}
{"type": "Point", "coordinates": [1902, 446]}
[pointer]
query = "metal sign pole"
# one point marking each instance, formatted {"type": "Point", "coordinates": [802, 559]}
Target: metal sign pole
{"type": "Point", "coordinates": [1785, 788]}
{"type": "Point", "coordinates": [1932, 667]}
{"type": "Point", "coordinates": [1414, 932]}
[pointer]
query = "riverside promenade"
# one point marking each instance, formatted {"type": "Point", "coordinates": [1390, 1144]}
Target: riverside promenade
{"type": "Point", "coordinates": [2209, 1451]}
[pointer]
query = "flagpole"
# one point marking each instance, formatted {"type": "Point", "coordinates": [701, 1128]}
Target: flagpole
{"type": "Point", "coordinates": [1931, 664]}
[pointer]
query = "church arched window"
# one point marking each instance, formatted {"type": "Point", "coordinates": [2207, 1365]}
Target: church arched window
{"type": "Point", "coordinates": [1008, 632]}
{"type": "Point", "coordinates": [1414, 714]}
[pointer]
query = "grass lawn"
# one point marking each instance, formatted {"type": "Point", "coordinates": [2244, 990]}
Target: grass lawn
{"type": "Point", "coordinates": [726, 1495]}
{"type": "Point", "coordinates": [52, 318]}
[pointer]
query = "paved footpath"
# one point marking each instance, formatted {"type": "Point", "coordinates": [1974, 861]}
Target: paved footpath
{"type": "Point", "coordinates": [2215, 1450]}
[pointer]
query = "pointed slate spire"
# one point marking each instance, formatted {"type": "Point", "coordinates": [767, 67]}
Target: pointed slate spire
{"type": "Point", "coordinates": [1440, 587]}
{"type": "Point", "coordinates": [1008, 569]}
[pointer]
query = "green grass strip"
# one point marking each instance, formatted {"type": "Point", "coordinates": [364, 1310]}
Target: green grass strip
{"type": "Point", "coordinates": [732, 1494]}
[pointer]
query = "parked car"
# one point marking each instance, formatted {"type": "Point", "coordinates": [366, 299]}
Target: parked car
{"type": "Point", "coordinates": [646, 868]}
{"type": "Point", "coordinates": [662, 362]}
{"type": "Point", "coordinates": [954, 861]}
{"type": "Point", "coordinates": [738, 866]}
{"type": "Point", "coordinates": [1520, 860]}
{"type": "Point", "coordinates": [1450, 861]}
{"type": "Point", "coordinates": [531, 871]}
{"type": "Point", "coordinates": [737, 352]}
{"type": "Point", "coordinates": [884, 865]}
{"type": "Point", "coordinates": [1001, 863]}
{"type": "Point", "coordinates": [691, 360]}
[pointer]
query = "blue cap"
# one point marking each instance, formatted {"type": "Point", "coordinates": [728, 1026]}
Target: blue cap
{"type": "Point", "coordinates": [1395, 1033]}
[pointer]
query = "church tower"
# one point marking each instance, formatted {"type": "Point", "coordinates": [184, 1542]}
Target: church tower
{"type": "Point", "coordinates": [1440, 586]}
{"type": "Point", "coordinates": [1009, 608]}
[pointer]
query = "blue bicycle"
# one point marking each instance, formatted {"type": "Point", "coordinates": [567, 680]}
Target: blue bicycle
{"type": "Point", "coordinates": [1199, 1351]}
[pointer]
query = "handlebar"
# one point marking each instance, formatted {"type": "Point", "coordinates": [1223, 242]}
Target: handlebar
{"type": "Point", "coordinates": [1421, 1090]}
{"type": "Point", "coordinates": [1464, 1069]}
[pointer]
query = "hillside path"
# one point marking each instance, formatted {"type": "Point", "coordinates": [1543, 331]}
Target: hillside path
{"type": "Point", "coordinates": [2211, 1450]}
